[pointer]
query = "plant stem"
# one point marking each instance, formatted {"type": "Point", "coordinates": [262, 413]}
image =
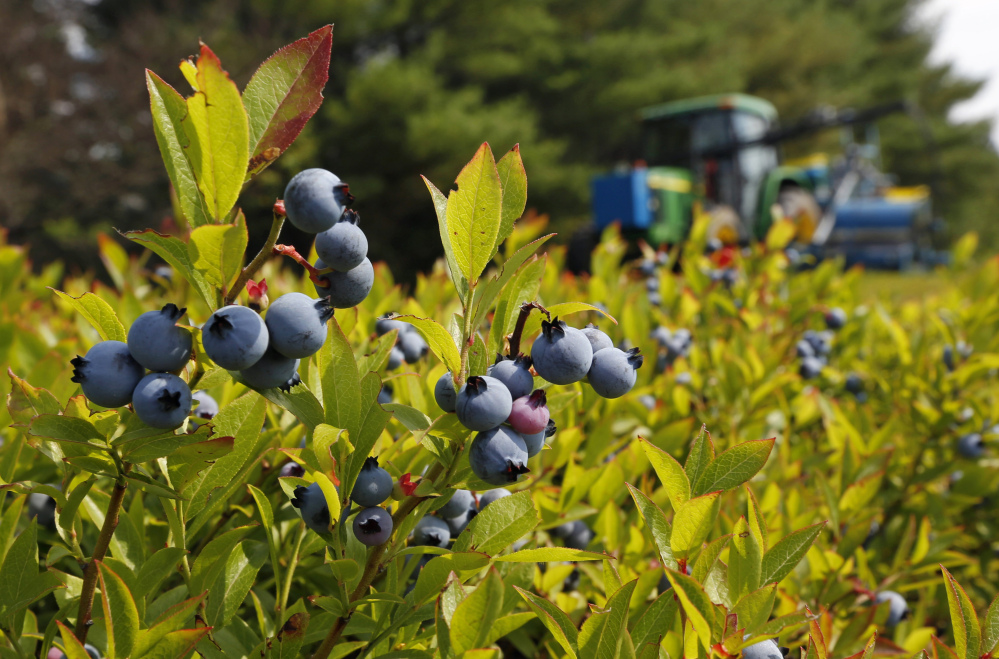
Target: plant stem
{"type": "Point", "coordinates": [315, 274]}
{"type": "Point", "coordinates": [83, 620]}
{"type": "Point", "coordinates": [283, 603]}
{"type": "Point", "coordinates": [518, 330]}
{"type": "Point", "coordinates": [261, 257]}
{"type": "Point", "coordinates": [466, 337]}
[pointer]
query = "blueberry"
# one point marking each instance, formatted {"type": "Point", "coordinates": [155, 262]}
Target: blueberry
{"type": "Point", "coordinates": [346, 289]}
{"type": "Point", "coordinates": [835, 318]}
{"type": "Point", "coordinates": [444, 392]}
{"type": "Point", "coordinates": [272, 370]}
{"type": "Point", "coordinates": [311, 503]}
{"type": "Point", "coordinates": [385, 394]}
{"type": "Point", "coordinates": [804, 349]}
{"type": "Point", "coordinates": [296, 324]}
{"type": "Point", "coordinates": [483, 403]}
{"type": "Point", "coordinates": [157, 343]}
{"type": "Point", "coordinates": [684, 378]}
{"type": "Point", "coordinates": [498, 456]}
{"type": "Point", "coordinates": [562, 530]}
{"type": "Point", "coordinates": [343, 246]}
{"type": "Point", "coordinates": [613, 372]}
{"type": "Point", "coordinates": [648, 401]}
{"type": "Point", "coordinates": [373, 485]}
{"type": "Point", "coordinates": [536, 441]}
{"type": "Point", "coordinates": [384, 325]}
{"type": "Point", "coordinates": [207, 407]}
{"type": "Point", "coordinates": [162, 400]}
{"type": "Point", "coordinates": [821, 342]}
{"type": "Point", "coordinates": [413, 346]}
{"type": "Point", "coordinates": [948, 357]}
{"type": "Point", "coordinates": [971, 446]}
{"type": "Point", "coordinates": [514, 373]}
{"type": "Point", "coordinates": [42, 507]}
{"type": "Point", "coordinates": [291, 468]}
{"type": "Point", "coordinates": [811, 367]}
{"type": "Point", "coordinates": [108, 374]}
{"type": "Point", "coordinates": [898, 608]}
{"type": "Point", "coordinates": [561, 354]}
{"type": "Point", "coordinates": [457, 524]}
{"type": "Point", "coordinates": [396, 358]}
{"type": "Point", "coordinates": [315, 199]}
{"type": "Point", "coordinates": [652, 285]}
{"type": "Point", "coordinates": [767, 649]}
{"type": "Point", "coordinates": [373, 526]}
{"type": "Point", "coordinates": [571, 582]}
{"type": "Point", "coordinates": [529, 414]}
{"type": "Point", "coordinates": [431, 532]}
{"type": "Point", "coordinates": [854, 384]}
{"type": "Point", "coordinates": [655, 299]}
{"type": "Point", "coordinates": [861, 397]}
{"type": "Point", "coordinates": [235, 337]}
{"type": "Point", "coordinates": [459, 502]}
{"type": "Point", "coordinates": [647, 267]}
{"type": "Point", "coordinates": [579, 535]}
{"type": "Point", "coordinates": [492, 495]}
{"type": "Point", "coordinates": [598, 339]}
{"type": "Point", "coordinates": [661, 335]}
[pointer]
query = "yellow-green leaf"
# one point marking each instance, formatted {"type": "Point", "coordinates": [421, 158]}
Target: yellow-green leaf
{"type": "Point", "coordinates": [692, 523]}
{"type": "Point", "coordinates": [121, 617]}
{"type": "Point", "coordinates": [474, 213]}
{"type": "Point", "coordinates": [734, 466]}
{"type": "Point", "coordinates": [439, 339]}
{"type": "Point", "coordinates": [98, 313]}
{"type": "Point", "coordinates": [963, 619]}
{"type": "Point", "coordinates": [670, 472]}
{"type": "Point", "coordinates": [476, 614]}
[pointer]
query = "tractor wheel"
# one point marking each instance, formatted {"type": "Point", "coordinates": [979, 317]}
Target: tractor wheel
{"type": "Point", "coordinates": [799, 206]}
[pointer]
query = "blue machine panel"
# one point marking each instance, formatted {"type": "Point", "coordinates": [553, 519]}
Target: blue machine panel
{"type": "Point", "coordinates": [622, 198]}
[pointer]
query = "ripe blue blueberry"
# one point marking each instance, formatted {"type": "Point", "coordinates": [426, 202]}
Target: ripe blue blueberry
{"type": "Point", "coordinates": [346, 289]}
{"type": "Point", "coordinates": [459, 502]}
{"type": "Point", "coordinates": [207, 407]}
{"type": "Point", "coordinates": [108, 374]}
{"type": "Point", "coordinates": [457, 524]}
{"type": "Point", "coordinates": [854, 384]}
{"type": "Point", "coordinates": [162, 400]}
{"type": "Point", "coordinates": [648, 401]}
{"type": "Point", "coordinates": [948, 357]}
{"type": "Point", "coordinates": [971, 446]}
{"type": "Point", "coordinates": [373, 526]}
{"type": "Point", "coordinates": [272, 370]}
{"type": "Point", "coordinates": [598, 339]}
{"type": "Point", "coordinates": [311, 503]}
{"type": "Point", "coordinates": [157, 343]}
{"type": "Point", "coordinates": [483, 403]}
{"type": "Point", "coordinates": [804, 349]}
{"type": "Point", "coordinates": [652, 284]}
{"type": "Point", "coordinates": [291, 468]}
{"type": "Point", "coordinates": [42, 507]}
{"type": "Point", "coordinates": [413, 346]}
{"type": "Point", "coordinates": [561, 354]}
{"type": "Point", "coordinates": [444, 392]}
{"type": "Point", "coordinates": [529, 414]}
{"type": "Point", "coordinates": [575, 535]}
{"type": "Point", "coordinates": [373, 485]}
{"type": "Point", "coordinates": [385, 324]}
{"type": "Point", "coordinates": [767, 649]}
{"type": "Point", "coordinates": [811, 367]}
{"type": "Point", "coordinates": [821, 342]}
{"type": "Point", "coordinates": [235, 337]}
{"type": "Point", "coordinates": [315, 199]}
{"type": "Point", "coordinates": [515, 374]}
{"type": "Point", "coordinates": [498, 456]}
{"type": "Point", "coordinates": [898, 608]}
{"type": "Point", "coordinates": [536, 441]}
{"type": "Point", "coordinates": [385, 394]}
{"type": "Point", "coordinates": [835, 318]}
{"type": "Point", "coordinates": [396, 358]}
{"type": "Point", "coordinates": [343, 246]}
{"type": "Point", "coordinates": [613, 371]}
{"type": "Point", "coordinates": [431, 532]}
{"type": "Point", "coordinates": [296, 324]}
{"type": "Point", "coordinates": [493, 495]}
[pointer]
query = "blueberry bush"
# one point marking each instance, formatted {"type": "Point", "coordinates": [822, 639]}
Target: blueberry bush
{"type": "Point", "coordinates": [719, 452]}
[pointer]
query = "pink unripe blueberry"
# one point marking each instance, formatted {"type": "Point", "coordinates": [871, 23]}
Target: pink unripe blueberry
{"type": "Point", "coordinates": [529, 414]}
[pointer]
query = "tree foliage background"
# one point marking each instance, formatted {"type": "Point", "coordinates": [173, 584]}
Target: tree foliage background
{"type": "Point", "coordinates": [417, 84]}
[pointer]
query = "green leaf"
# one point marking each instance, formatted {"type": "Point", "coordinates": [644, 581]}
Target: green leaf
{"type": "Point", "coordinates": [218, 131]}
{"type": "Point", "coordinates": [378, 354]}
{"type": "Point", "coordinates": [169, 109]}
{"type": "Point", "coordinates": [963, 619]}
{"type": "Point", "coordinates": [26, 402]}
{"type": "Point", "coordinates": [440, 206]}
{"type": "Point", "coordinates": [147, 449]}
{"type": "Point", "coordinates": [653, 624]}
{"type": "Point", "coordinates": [783, 556]}
{"type": "Point", "coordinates": [98, 313]}
{"type": "Point", "coordinates": [216, 251]}
{"type": "Point", "coordinates": [474, 213]}
{"type": "Point", "coordinates": [476, 614]}
{"type": "Point", "coordinates": [990, 627]}
{"type": "Point", "coordinates": [210, 562]}
{"type": "Point", "coordinates": [702, 452]}
{"type": "Point", "coordinates": [233, 583]}
{"type": "Point", "coordinates": [502, 523]}
{"type": "Point", "coordinates": [291, 636]}
{"type": "Point", "coordinates": [439, 339]}
{"type": "Point", "coordinates": [412, 418]}
{"type": "Point", "coordinates": [524, 287]}
{"type": "Point", "coordinates": [155, 569]}
{"type": "Point", "coordinates": [20, 582]}
{"type": "Point", "coordinates": [263, 507]}
{"type": "Point", "coordinates": [513, 182]}
{"type": "Point", "coordinates": [486, 294]}
{"type": "Point", "coordinates": [174, 251]}
{"type": "Point", "coordinates": [692, 523]}
{"type": "Point", "coordinates": [283, 94]}
{"type": "Point", "coordinates": [506, 625]}
{"type": "Point", "coordinates": [71, 645]}
{"type": "Point", "coordinates": [734, 467]}
{"type": "Point", "coordinates": [533, 324]}
{"type": "Point", "coordinates": [859, 494]}
{"type": "Point", "coordinates": [121, 618]}
{"type": "Point", "coordinates": [176, 644]}
{"type": "Point", "coordinates": [602, 633]}
{"type": "Point", "coordinates": [655, 522]}
{"type": "Point", "coordinates": [67, 515]}
{"type": "Point", "coordinates": [434, 575]}
{"type": "Point", "coordinates": [696, 603]}
{"type": "Point", "coordinates": [332, 497]}
{"type": "Point", "coordinates": [372, 423]}
{"type": "Point", "coordinates": [671, 474]}
{"type": "Point", "coordinates": [340, 380]}
{"type": "Point", "coordinates": [745, 560]}
{"type": "Point", "coordinates": [550, 554]}
{"type": "Point", "coordinates": [554, 619]}
{"type": "Point", "coordinates": [754, 608]}
{"type": "Point", "coordinates": [66, 429]}
{"type": "Point", "coordinates": [187, 463]}
{"type": "Point", "coordinates": [757, 524]}
{"type": "Point", "coordinates": [300, 401]}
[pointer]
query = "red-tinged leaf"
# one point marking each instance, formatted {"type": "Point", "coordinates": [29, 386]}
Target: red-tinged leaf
{"type": "Point", "coordinates": [283, 95]}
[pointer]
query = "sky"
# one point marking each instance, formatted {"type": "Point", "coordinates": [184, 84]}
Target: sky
{"type": "Point", "coordinates": [967, 32]}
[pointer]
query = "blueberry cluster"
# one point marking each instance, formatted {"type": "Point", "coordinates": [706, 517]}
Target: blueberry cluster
{"type": "Point", "coordinates": [672, 345]}
{"type": "Point", "coordinates": [448, 521]}
{"type": "Point", "coordinates": [316, 201]}
{"type": "Point", "coordinates": [114, 374]}
{"type": "Point", "coordinates": [409, 346]}
{"type": "Point", "coordinates": [813, 349]}
{"type": "Point", "coordinates": [649, 268]}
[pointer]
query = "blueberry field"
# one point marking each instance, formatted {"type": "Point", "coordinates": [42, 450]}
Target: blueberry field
{"type": "Point", "coordinates": [216, 451]}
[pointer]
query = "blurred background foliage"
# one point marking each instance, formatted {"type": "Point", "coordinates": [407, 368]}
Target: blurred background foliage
{"type": "Point", "coordinates": [417, 84]}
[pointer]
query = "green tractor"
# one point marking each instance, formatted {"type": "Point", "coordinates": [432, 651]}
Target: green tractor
{"type": "Point", "coordinates": [721, 154]}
